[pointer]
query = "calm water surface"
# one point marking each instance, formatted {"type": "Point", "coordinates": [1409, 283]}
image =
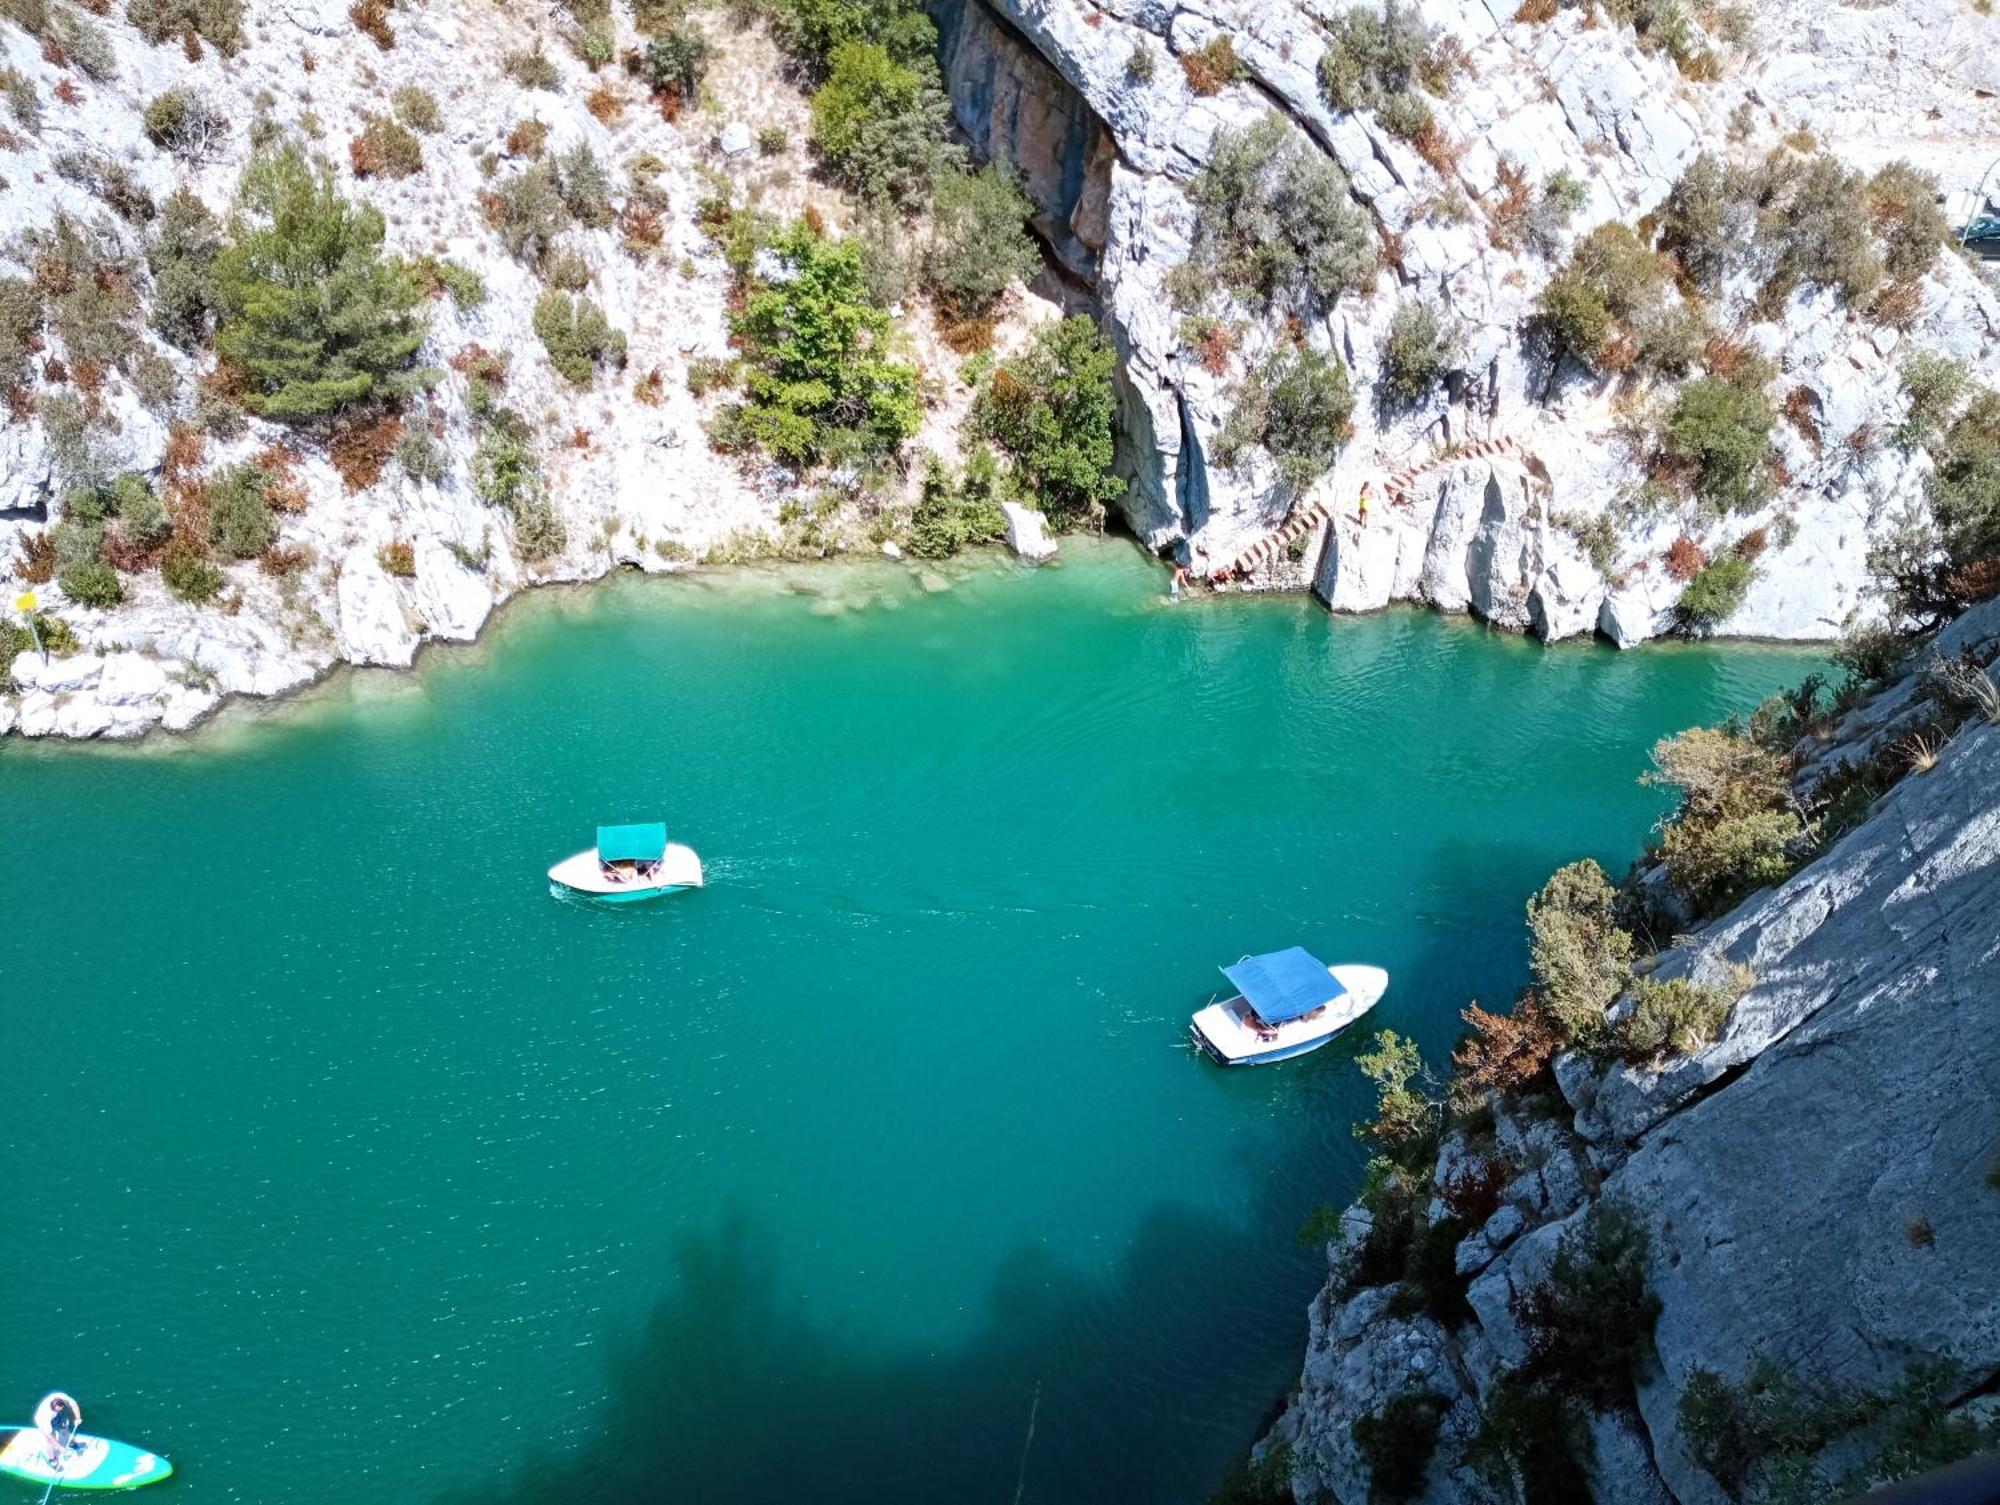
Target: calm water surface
{"type": "Point", "coordinates": [348, 1164]}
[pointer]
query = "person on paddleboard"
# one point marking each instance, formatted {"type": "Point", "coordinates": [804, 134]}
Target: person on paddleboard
{"type": "Point", "coordinates": [57, 1418]}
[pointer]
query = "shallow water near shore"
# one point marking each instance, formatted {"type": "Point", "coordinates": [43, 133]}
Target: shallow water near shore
{"type": "Point", "coordinates": [348, 1163]}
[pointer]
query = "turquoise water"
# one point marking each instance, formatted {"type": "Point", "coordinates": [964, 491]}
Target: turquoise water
{"type": "Point", "coordinates": [350, 1164]}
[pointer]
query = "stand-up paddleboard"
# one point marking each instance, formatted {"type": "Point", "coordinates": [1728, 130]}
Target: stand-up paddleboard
{"type": "Point", "coordinates": [94, 1463]}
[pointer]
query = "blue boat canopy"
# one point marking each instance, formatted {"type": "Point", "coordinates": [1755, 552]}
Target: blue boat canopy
{"type": "Point", "coordinates": [1283, 985]}
{"type": "Point", "coordinates": [632, 843]}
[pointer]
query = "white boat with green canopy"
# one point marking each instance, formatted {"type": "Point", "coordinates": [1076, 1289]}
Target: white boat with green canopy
{"type": "Point", "coordinates": [630, 863]}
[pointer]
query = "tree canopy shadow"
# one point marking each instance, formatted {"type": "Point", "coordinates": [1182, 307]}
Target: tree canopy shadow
{"type": "Point", "coordinates": [1143, 1383]}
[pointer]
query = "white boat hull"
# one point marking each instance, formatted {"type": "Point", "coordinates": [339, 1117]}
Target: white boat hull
{"type": "Point", "coordinates": [679, 868]}
{"type": "Point", "coordinates": [1226, 1032]}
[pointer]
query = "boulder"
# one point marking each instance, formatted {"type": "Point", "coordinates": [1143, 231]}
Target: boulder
{"type": "Point", "coordinates": [1027, 533]}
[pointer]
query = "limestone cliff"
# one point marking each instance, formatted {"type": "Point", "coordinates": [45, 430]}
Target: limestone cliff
{"type": "Point", "coordinates": [1110, 149]}
{"type": "Point", "coordinates": [1819, 1182]}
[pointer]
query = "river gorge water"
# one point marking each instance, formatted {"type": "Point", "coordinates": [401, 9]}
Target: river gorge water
{"type": "Point", "coordinates": [348, 1163]}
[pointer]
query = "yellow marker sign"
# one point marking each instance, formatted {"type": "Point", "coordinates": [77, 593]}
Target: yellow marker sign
{"type": "Point", "coordinates": [25, 601]}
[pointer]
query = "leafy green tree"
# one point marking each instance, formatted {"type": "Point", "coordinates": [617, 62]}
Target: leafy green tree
{"type": "Point", "coordinates": [1298, 406]}
{"type": "Point", "coordinates": [577, 336]}
{"type": "Point", "coordinates": [979, 238]}
{"type": "Point", "coordinates": [1050, 410]}
{"type": "Point", "coordinates": [181, 255]}
{"type": "Point", "coordinates": [313, 314]}
{"type": "Point", "coordinates": [952, 513]}
{"type": "Point", "coordinates": [1406, 1116]}
{"type": "Point", "coordinates": [1716, 592]}
{"type": "Point", "coordinates": [1720, 431]}
{"type": "Point", "coordinates": [675, 61]}
{"type": "Point", "coordinates": [239, 511]}
{"type": "Point", "coordinates": [812, 30]}
{"type": "Point", "coordinates": [882, 127]}
{"type": "Point", "coordinates": [1420, 347]}
{"type": "Point", "coordinates": [817, 369]}
{"type": "Point", "coordinates": [1579, 953]}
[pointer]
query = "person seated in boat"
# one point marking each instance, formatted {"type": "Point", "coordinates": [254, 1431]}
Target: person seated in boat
{"type": "Point", "coordinates": [609, 872]}
{"type": "Point", "coordinates": [57, 1418]}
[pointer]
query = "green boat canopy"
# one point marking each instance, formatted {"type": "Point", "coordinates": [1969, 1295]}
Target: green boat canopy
{"type": "Point", "coordinates": [632, 843]}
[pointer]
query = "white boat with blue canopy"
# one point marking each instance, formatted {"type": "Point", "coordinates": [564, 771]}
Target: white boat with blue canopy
{"type": "Point", "coordinates": [630, 863]}
{"type": "Point", "coordinates": [1288, 1002]}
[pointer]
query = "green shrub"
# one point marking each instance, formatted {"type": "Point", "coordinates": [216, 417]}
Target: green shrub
{"type": "Point", "coordinates": [582, 184]}
{"type": "Point", "coordinates": [91, 301]}
{"type": "Point", "coordinates": [1579, 953]}
{"type": "Point", "coordinates": [883, 128]}
{"type": "Point", "coordinates": [812, 30]}
{"type": "Point", "coordinates": [182, 122]}
{"type": "Point", "coordinates": [419, 454]}
{"type": "Point", "coordinates": [108, 180]}
{"type": "Point", "coordinates": [1049, 409]}
{"type": "Point", "coordinates": [1257, 1481]}
{"type": "Point", "coordinates": [1718, 433]}
{"type": "Point", "coordinates": [417, 108]}
{"type": "Point", "coordinates": [531, 69]}
{"type": "Point", "coordinates": [20, 329]}
{"type": "Point", "coordinates": [979, 240]}
{"type": "Point", "coordinates": [538, 532]}
{"type": "Point", "coordinates": [1535, 1442]}
{"type": "Point", "coordinates": [1143, 61]}
{"type": "Point", "coordinates": [1397, 1443]}
{"type": "Point", "coordinates": [385, 149]}
{"type": "Point", "coordinates": [1376, 61]}
{"type": "Point", "coordinates": [528, 212]}
{"type": "Point", "coordinates": [953, 511]}
{"type": "Point", "coordinates": [1591, 1321]}
{"type": "Point", "coordinates": [772, 141]}
{"type": "Point", "coordinates": [1672, 1018]}
{"type": "Point", "coordinates": [239, 511]}
{"type": "Point", "coordinates": [1935, 385]}
{"type": "Point", "coordinates": [91, 583]}
{"type": "Point", "coordinates": [505, 470]}
{"type": "Point", "coordinates": [22, 99]}
{"type": "Point", "coordinates": [141, 516]}
{"type": "Point", "coordinates": [188, 572]}
{"type": "Point", "coordinates": [1275, 220]}
{"type": "Point", "coordinates": [1705, 220]}
{"type": "Point", "coordinates": [1813, 225]}
{"type": "Point", "coordinates": [1598, 305]}
{"type": "Point", "coordinates": [313, 314]}
{"type": "Point", "coordinates": [675, 60]}
{"type": "Point", "coordinates": [218, 21]}
{"type": "Point", "coordinates": [1421, 345]}
{"type": "Point", "coordinates": [1296, 405]}
{"type": "Point", "coordinates": [1903, 205]}
{"type": "Point", "coordinates": [181, 255]}
{"type": "Point", "coordinates": [1716, 593]}
{"type": "Point", "coordinates": [577, 336]}
{"type": "Point", "coordinates": [1736, 821]}
{"type": "Point", "coordinates": [85, 43]}
{"type": "Point", "coordinates": [443, 275]}
{"type": "Point", "coordinates": [817, 369]}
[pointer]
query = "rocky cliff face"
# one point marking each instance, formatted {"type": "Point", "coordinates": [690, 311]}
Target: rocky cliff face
{"type": "Point", "coordinates": [1048, 82]}
{"type": "Point", "coordinates": [1818, 1182]}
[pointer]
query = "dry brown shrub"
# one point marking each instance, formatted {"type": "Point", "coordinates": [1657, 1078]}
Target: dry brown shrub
{"type": "Point", "coordinates": [606, 103]}
{"type": "Point", "coordinates": [1685, 558]}
{"type": "Point", "coordinates": [307, 61]}
{"type": "Point", "coordinates": [1798, 411]}
{"type": "Point", "coordinates": [398, 557]}
{"type": "Point", "coordinates": [371, 19]}
{"type": "Point", "coordinates": [1535, 12]}
{"type": "Point", "coordinates": [1752, 544]}
{"type": "Point", "coordinates": [579, 437]}
{"type": "Point", "coordinates": [815, 221]}
{"type": "Point", "coordinates": [1218, 343]}
{"type": "Point", "coordinates": [968, 336]}
{"type": "Point", "coordinates": [1977, 581]}
{"type": "Point", "coordinates": [1898, 304]}
{"type": "Point", "coordinates": [1504, 1052]}
{"type": "Point", "coordinates": [284, 559]}
{"type": "Point", "coordinates": [476, 361]}
{"type": "Point", "coordinates": [54, 372]}
{"type": "Point", "coordinates": [641, 225]}
{"type": "Point", "coordinates": [361, 447]}
{"type": "Point", "coordinates": [181, 460]}
{"type": "Point", "coordinates": [1438, 149]}
{"type": "Point", "coordinates": [671, 104]}
{"type": "Point", "coordinates": [1211, 69]}
{"type": "Point", "coordinates": [526, 139]}
{"type": "Point", "coordinates": [1473, 1195]}
{"type": "Point", "coordinates": [364, 158]}
{"type": "Point", "coordinates": [1726, 357]}
{"type": "Point", "coordinates": [282, 487]}
{"type": "Point", "coordinates": [67, 91]}
{"type": "Point", "coordinates": [1389, 250]}
{"type": "Point", "coordinates": [190, 44]}
{"type": "Point", "coordinates": [1507, 217]}
{"type": "Point", "coordinates": [651, 389]}
{"type": "Point", "coordinates": [20, 403]}
{"type": "Point", "coordinates": [36, 560]}
{"type": "Point", "coordinates": [53, 54]}
{"type": "Point", "coordinates": [128, 554]}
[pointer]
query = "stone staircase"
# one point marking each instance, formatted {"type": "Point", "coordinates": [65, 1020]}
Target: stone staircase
{"type": "Point", "coordinates": [1399, 490]}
